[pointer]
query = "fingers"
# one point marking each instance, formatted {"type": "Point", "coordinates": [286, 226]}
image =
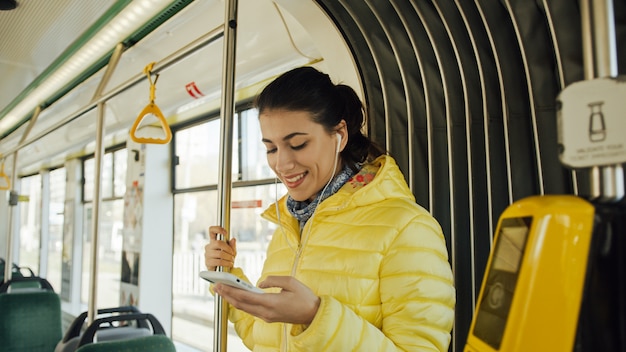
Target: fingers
{"type": "Point", "coordinates": [217, 252]}
{"type": "Point", "coordinates": [294, 304]}
{"type": "Point", "coordinates": [215, 230]}
{"type": "Point", "coordinates": [233, 244]}
{"type": "Point", "coordinates": [284, 282]}
{"type": "Point", "coordinates": [243, 300]}
{"type": "Point", "coordinates": [214, 257]}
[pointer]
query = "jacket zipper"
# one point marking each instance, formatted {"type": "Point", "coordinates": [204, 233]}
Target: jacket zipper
{"type": "Point", "coordinates": [303, 240]}
{"type": "Point", "coordinates": [293, 274]}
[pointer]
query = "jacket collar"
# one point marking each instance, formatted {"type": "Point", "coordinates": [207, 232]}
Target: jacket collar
{"type": "Point", "coordinates": [382, 177]}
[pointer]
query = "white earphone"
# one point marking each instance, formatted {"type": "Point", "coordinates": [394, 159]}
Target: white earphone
{"type": "Point", "coordinates": [338, 142]}
{"type": "Point", "coordinates": [319, 199]}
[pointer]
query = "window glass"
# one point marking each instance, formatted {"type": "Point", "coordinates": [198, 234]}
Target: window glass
{"type": "Point", "coordinates": [30, 222]}
{"type": "Point", "coordinates": [113, 178]}
{"type": "Point", "coordinates": [56, 217]}
{"type": "Point", "coordinates": [193, 306]}
{"type": "Point", "coordinates": [107, 176]}
{"type": "Point", "coordinates": [110, 227]}
{"type": "Point", "coordinates": [119, 178]}
{"type": "Point", "coordinates": [253, 153]}
{"type": "Point", "coordinates": [88, 175]}
{"type": "Point", "coordinates": [197, 150]}
{"type": "Point", "coordinates": [109, 253]}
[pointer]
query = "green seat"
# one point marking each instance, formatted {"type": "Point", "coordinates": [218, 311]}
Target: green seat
{"type": "Point", "coordinates": [30, 321]}
{"type": "Point", "coordinates": [152, 343]}
{"type": "Point", "coordinates": [72, 336]}
{"type": "Point", "coordinates": [26, 283]}
{"type": "Point", "coordinates": [143, 332]}
{"type": "Point", "coordinates": [15, 270]}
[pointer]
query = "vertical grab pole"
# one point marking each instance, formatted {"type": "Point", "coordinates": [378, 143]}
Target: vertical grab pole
{"type": "Point", "coordinates": [600, 60]}
{"type": "Point", "coordinates": [97, 188]}
{"type": "Point", "coordinates": [8, 265]}
{"type": "Point", "coordinates": [95, 216]}
{"type": "Point", "coordinates": [13, 197]}
{"type": "Point", "coordinates": [220, 322]}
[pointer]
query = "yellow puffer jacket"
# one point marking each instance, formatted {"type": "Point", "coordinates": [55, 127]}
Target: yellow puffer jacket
{"type": "Point", "coordinates": [377, 260]}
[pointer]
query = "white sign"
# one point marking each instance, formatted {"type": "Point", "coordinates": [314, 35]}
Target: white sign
{"type": "Point", "coordinates": [592, 123]}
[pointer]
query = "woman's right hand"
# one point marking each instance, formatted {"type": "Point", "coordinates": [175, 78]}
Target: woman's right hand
{"type": "Point", "coordinates": [218, 252]}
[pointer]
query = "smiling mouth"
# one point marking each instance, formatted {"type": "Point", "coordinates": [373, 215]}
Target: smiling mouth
{"type": "Point", "coordinates": [295, 179]}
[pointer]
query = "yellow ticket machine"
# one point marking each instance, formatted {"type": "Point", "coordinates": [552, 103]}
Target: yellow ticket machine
{"type": "Point", "coordinates": [532, 290]}
{"type": "Point", "coordinates": [555, 279]}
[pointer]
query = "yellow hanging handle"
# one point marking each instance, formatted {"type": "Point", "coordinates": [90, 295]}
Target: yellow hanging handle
{"type": "Point", "coordinates": [5, 182]}
{"type": "Point", "coordinates": [153, 110]}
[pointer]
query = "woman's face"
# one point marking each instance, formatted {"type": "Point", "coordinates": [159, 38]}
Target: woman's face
{"type": "Point", "coordinates": [301, 152]}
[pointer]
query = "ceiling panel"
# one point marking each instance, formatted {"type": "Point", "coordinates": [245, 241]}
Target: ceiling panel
{"type": "Point", "coordinates": [35, 33]}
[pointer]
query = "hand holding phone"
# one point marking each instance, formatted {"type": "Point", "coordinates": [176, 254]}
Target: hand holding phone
{"type": "Point", "coordinates": [229, 279]}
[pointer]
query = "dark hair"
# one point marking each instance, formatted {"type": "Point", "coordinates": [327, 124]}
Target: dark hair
{"type": "Point", "coordinates": [307, 89]}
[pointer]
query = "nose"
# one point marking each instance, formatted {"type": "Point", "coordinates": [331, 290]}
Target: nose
{"type": "Point", "coordinates": [284, 160]}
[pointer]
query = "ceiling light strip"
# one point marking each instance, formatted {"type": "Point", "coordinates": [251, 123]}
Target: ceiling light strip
{"type": "Point", "coordinates": [130, 19]}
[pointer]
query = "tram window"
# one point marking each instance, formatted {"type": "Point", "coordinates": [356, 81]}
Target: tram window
{"type": "Point", "coordinates": [55, 231]}
{"type": "Point", "coordinates": [113, 175]}
{"type": "Point", "coordinates": [88, 173]}
{"type": "Point", "coordinates": [30, 222]}
{"type": "Point", "coordinates": [110, 228]}
{"type": "Point", "coordinates": [197, 151]}
{"type": "Point", "coordinates": [194, 212]}
{"type": "Point", "coordinates": [253, 154]}
{"type": "Point", "coordinates": [196, 148]}
{"type": "Point", "coordinates": [109, 254]}
{"type": "Point", "coordinates": [120, 158]}
{"type": "Point", "coordinates": [107, 175]}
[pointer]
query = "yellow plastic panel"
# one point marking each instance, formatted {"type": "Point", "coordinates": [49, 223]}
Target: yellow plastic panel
{"type": "Point", "coordinates": [5, 182]}
{"type": "Point", "coordinates": [546, 264]}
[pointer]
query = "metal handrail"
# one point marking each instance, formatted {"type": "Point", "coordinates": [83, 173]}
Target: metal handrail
{"type": "Point", "coordinates": [173, 58]}
{"type": "Point", "coordinates": [225, 177]}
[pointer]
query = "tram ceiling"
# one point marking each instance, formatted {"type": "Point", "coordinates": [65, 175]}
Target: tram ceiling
{"type": "Point", "coordinates": [281, 44]}
{"type": "Point", "coordinates": [48, 47]}
{"type": "Point", "coordinates": [35, 33]}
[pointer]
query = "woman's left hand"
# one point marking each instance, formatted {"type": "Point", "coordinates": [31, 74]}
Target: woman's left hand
{"type": "Point", "coordinates": [294, 304]}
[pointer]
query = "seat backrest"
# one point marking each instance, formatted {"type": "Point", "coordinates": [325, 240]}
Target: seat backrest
{"type": "Point", "coordinates": [26, 283]}
{"type": "Point", "coordinates": [120, 328]}
{"type": "Point", "coordinates": [15, 270]}
{"type": "Point", "coordinates": [30, 321]}
{"type": "Point", "coordinates": [72, 336]}
{"type": "Point", "coordinates": [152, 343]}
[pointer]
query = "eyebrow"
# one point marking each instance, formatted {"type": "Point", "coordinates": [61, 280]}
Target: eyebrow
{"type": "Point", "coordinates": [287, 137]}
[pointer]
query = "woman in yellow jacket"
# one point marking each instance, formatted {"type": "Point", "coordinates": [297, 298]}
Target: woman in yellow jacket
{"type": "Point", "coordinates": [355, 264]}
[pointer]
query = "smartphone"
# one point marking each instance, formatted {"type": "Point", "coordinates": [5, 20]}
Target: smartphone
{"type": "Point", "coordinates": [229, 279]}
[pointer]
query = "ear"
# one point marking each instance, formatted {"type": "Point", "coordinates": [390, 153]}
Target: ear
{"type": "Point", "coordinates": [341, 129]}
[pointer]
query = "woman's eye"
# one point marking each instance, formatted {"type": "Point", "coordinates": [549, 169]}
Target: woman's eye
{"type": "Point", "coordinates": [298, 147]}
{"type": "Point", "coordinates": [271, 151]}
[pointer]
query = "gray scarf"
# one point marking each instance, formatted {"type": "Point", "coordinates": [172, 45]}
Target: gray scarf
{"type": "Point", "coordinates": [305, 209]}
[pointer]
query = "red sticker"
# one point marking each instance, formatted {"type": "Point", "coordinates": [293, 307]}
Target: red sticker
{"type": "Point", "coordinates": [193, 90]}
